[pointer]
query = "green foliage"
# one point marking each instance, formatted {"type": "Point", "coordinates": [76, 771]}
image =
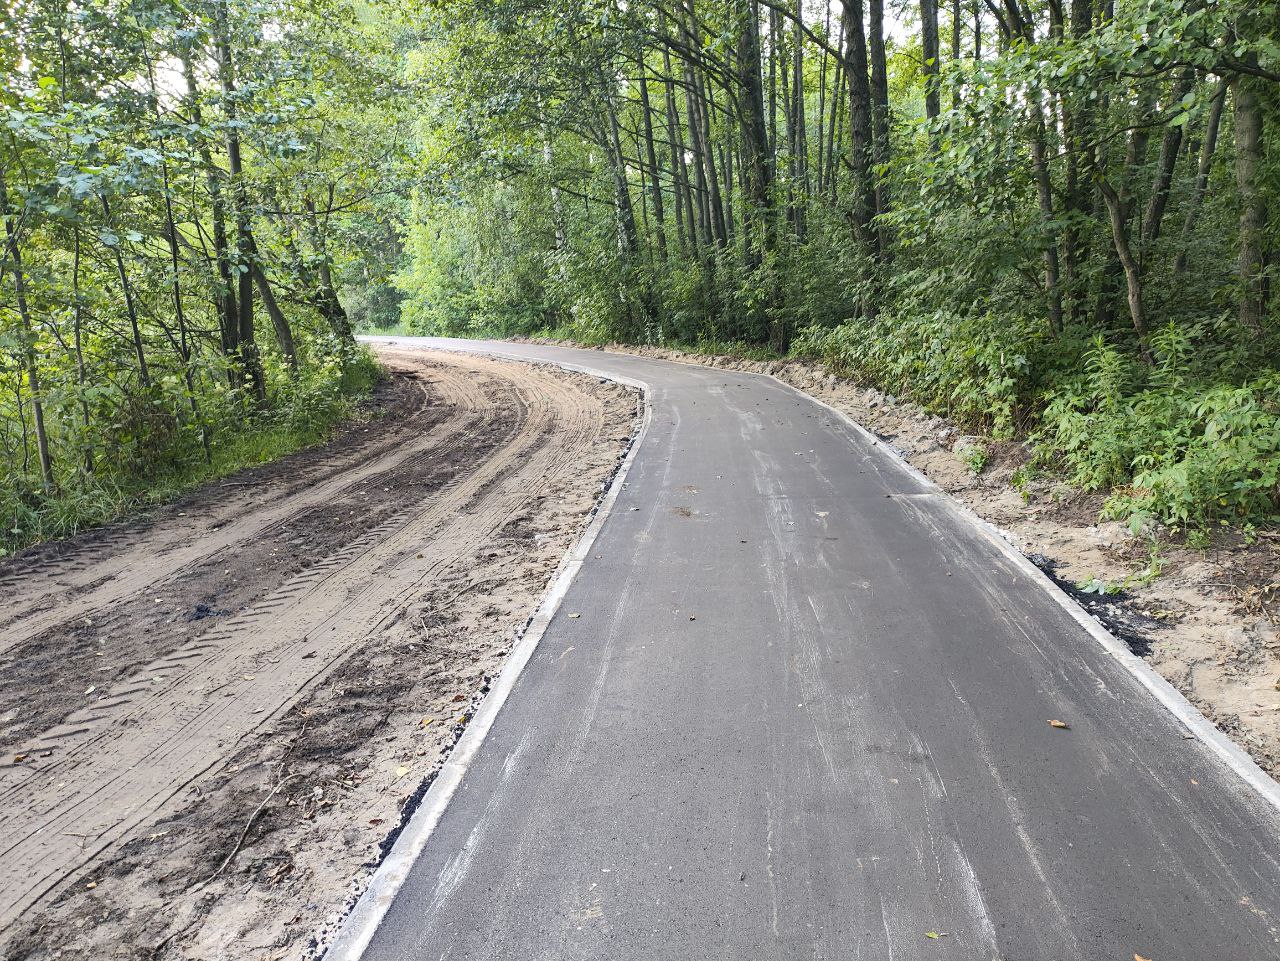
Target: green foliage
{"type": "Point", "coordinates": [153, 156]}
{"type": "Point", "coordinates": [976, 370]}
{"type": "Point", "coordinates": [305, 413]}
{"type": "Point", "coordinates": [1174, 442]}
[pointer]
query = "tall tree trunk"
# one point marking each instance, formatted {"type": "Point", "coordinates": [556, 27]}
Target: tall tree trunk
{"type": "Point", "coordinates": [1253, 209]}
{"type": "Point", "coordinates": [248, 347]}
{"type": "Point", "coordinates": [679, 169]}
{"type": "Point", "coordinates": [28, 335]}
{"type": "Point", "coordinates": [757, 172]}
{"type": "Point", "coordinates": [652, 156]}
{"type": "Point", "coordinates": [881, 150]}
{"type": "Point", "coordinates": [819, 181]}
{"type": "Point", "coordinates": [175, 284]}
{"type": "Point", "coordinates": [955, 49]}
{"type": "Point", "coordinates": [279, 322]}
{"type": "Point", "coordinates": [835, 128]}
{"type": "Point", "coordinates": [699, 165]}
{"type": "Point", "coordinates": [1044, 196]}
{"type": "Point", "coordinates": [801, 123]}
{"type": "Point", "coordinates": [77, 318]}
{"type": "Point", "coordinates": [929, 51]}
{"type": "Point", "coordinates": [228, 309]}
{"type": "Point", "coordinates": [706, 106]}
{"type": "Point", "coordinates": [859, 123]}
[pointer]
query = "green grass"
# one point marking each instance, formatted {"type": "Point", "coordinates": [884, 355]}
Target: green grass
{"type": "Point", "coordinates": [305, 414]}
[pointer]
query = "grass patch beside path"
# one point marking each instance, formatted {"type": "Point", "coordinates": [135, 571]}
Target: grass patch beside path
{"type": "Point", "coordinates": [301, 413]}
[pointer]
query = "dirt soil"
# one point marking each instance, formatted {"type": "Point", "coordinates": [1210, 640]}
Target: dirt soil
{"type": "Point", "coordinates": [1208, 623]}
{"type": "Point", "coordinates": [213, 720]}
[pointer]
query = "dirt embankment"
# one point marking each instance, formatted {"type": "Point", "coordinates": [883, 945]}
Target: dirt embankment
{"type": "Point", "coordinates": [212, 720]}
{"type": "Point", "coordinates": [1208, 623]}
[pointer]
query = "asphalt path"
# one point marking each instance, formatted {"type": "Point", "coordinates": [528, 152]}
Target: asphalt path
{"type": "Point", "coordinates": [795, 705]}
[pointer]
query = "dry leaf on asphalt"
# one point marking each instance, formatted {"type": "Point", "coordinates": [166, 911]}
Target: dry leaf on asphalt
{"type": "Point", "coordinates": [1062, 725]}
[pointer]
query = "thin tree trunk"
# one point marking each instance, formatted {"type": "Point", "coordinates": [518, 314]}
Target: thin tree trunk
{"type": "Point", "coordinates": [28, 335]}
{"type": "Point", "coordinates": [699, 165]}
{"type": "Point", "coordinates": [279, 322]}
{"type": "Point", "coordinates": [757, 172]}
{"type": "Point", "coordinates": [716, 200]}
{"type": "Point", "coordinates": [820, 181]}
{"type": "Point", "coordinates": [77, 312]}
{"type": "Point", "coordinates": [1132, 269]}
{"type": "Point", "coordinates": [326, 296]}
{"type": "Point", "coordinates": [1253, 209]}
{"type": "Point", "coordinates": [679, 169]}
{"type": "Point", "coordinates": [1195, 202]}
{"type": "Point", "coordinates": [228, 309]}
{"type": "Point", "coordinates": [801, 146]}
{"type": "Point", "coordinates": [1044, 196]}
{"type": "Point", "coordinates": [130, 307]}
{"type": "Point", "coordinates": [955, 50]}
{"type": "Point", "coordinates": [1170, 144]}
{"type": "Point", "coordinates": [652, 156]}
{"type": "Point", "coordinates": [248, 348]}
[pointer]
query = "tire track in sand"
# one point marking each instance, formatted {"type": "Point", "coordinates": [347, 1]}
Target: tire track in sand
{"type": "Point", "coordinates": [142, 749]}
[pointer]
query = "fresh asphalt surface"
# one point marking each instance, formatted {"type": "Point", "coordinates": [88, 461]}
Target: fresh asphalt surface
{"type": "Point", "coordinates": [802, 714]}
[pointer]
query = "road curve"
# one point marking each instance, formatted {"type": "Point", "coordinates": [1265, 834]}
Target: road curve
{"type": "Point", "coordinates": [794, 706]}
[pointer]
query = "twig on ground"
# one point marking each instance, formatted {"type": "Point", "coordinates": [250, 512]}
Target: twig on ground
{"type": "Point", "coordinates": [248, 824]}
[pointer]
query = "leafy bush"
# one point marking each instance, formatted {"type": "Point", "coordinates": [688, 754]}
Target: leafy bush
{"type": "Point", "coordinates": [1174, 442]}
{"type": "Point", "coordinates": [975, 369]}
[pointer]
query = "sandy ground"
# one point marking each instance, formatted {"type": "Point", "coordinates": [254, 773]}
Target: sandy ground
{"type": "Point", "coordinates": [213, 720]}
{"type": "Point", "coordinates": [1208, 623]}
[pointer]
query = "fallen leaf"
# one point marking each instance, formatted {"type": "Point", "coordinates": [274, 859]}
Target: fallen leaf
{"type": "Point", "coordinates": [401, 771]}
{"type": "Point", "coordinates": [458, 698]}
{"type": "Point", "coordinates": [1138, 957]}
{"type": "Point", "coordinates": [1061, 725]}
{"type": "Point", "coordinates": [19, 758]}
{"type": "Point", "coordinates": [91, 885]}
{"type": "Point", "coordinates": [92, 688]}
{"type": "Point", "coordinates": [575, 614]}
{"type": "Point", "coordinates": [426, 720]}
{"type": "Point", "coordinates": [247, 677]}
{"type": "Point", "coordinates": [934, 935]}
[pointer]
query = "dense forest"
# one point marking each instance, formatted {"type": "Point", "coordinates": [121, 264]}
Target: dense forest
{"type": "Point", "coordinates": [184, 188]}
{"type": "Point", "coordinates": [1039, 218]}
{"type": "Point", "coordinates": [1045, 220]}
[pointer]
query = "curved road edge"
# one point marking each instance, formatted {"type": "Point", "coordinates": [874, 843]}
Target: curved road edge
{"type": "Point", "coordinates": [366, 915]}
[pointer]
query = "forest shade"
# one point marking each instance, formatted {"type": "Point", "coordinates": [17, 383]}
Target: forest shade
{"type": "Point", "coordinates": [1039, 219]}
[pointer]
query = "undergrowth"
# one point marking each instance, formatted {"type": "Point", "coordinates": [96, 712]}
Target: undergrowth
{"type": "Point", "coordinates": [301, 413]}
